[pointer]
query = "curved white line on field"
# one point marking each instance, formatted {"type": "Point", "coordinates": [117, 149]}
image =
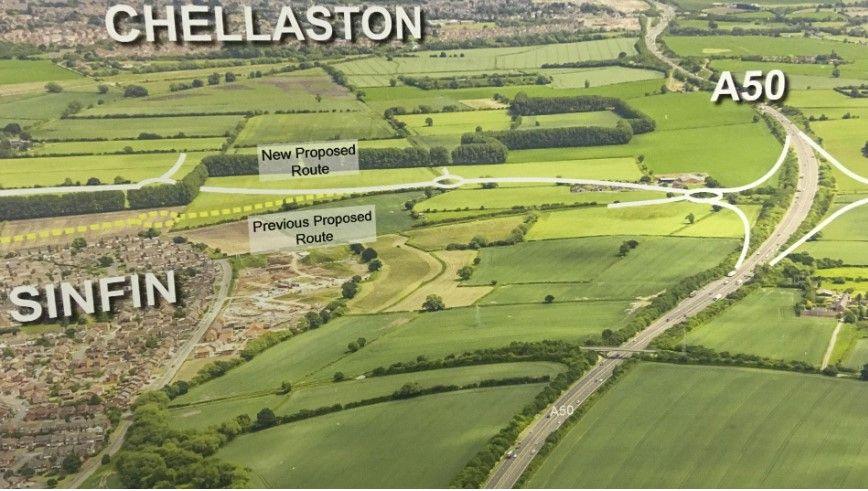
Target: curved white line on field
{"type": "Point", "coordinates": [841, 167]}
{"type": "Point", "coordinates": [449, 181]}
{"type": "Point", "coordinates": [745, 247]}
{"type": "Point", "coordinates": [163, 179]}
{"type": "Point", "coordinates": [820, 226]}
{"type": "Point", "coordinates": [647, 202]}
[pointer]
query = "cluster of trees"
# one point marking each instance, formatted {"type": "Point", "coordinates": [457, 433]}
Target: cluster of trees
{"type": "Point", "coordinates": [155, 455]}
{"type": "Point", "coordinates": [522, 105]}
{"type": "Point", "coordinates": [576, 136]}
{"type": "Point", "coordinates": [46, 205]}
{"type": "Point", "coordinates": [180, 193]}
{"type": "Point", "coordinates": [515, 236]}
{"type": "Point", "coordinates": [366, 255]}
{"type": "Point", "coordinates": [622, 60]}
{"type": "Point", "coordinates": [135, 91]}
{"type": "Point", "coordinates": [433, 303]}
{"type": "Point", "coordinates": [479, 148]}
{"type": "Point", "coordinates": [627, 246]}
{"type": "Point", "coordinates": [468, 81]}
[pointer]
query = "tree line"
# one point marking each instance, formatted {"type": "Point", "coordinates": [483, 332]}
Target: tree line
{"type": "Point", "coordinates": [470, 81]}
{"type": "Point", "coordinates": [181, 193]}
{"type": "Point", "coordinates": [522, 105]}
{"type": "Point", "coordinates": [46, 205]}
{"type": "Point", "coordinates": [576, 136]}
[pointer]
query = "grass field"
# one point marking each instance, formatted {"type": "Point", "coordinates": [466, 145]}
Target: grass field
{"type": "Point", "coordinates": [31, 108]}
{"type": "Point", "coordinates": [613, 168]}
{"type": "Point", "coordinates": [669, 219]}
{"type": "Point", "coordinates": [507, 197]}
{"type": "Point", "coordinates": [446, 284]}
{"type": "Point", "coordinates": [456, 330]}
{"type": "Point", "coordinates": [405, 268]}
{"type": "Point", "coordinates": [761, 45]}
{"type": "Point", "coordinates": [114, 129]}
{"type": "Point", "coordinates": [584, 259]}
{"type": "Point", "coordinates": [22, 71]}
{"type": "Point", "coordinates": [666, 426]}
{"type": "Point", "coordinates": [447, 128]}
{"type": "Point", "coordinates": [288, 128]}
{"type": "Point", "coordinates": [432, 238]}
{"type": "Point", "coordinates": [415, 443]}
{"type": "Point", "coordinates": [845, 238]}
{"type": "Point", "coordinates": [765, 324]}
{"type": "Point", "coordinates": [288, 92]}
{"type": "Point", "coordinates": [295, 359]}
{"type": "Point", "coordinates": [858, 356]}
{"type": "Point", "coordinates": [52, 171]}
{"type": "Point", "coordinates": [855, 278]}
{"type": "Point", "coordinates": [316, 396]}
{"type": "Point", "coordinates": [377, 71]}
{"type": "Point", "coordinates": [118, 146]}
{"type": "Point", "coordinates": [569, 78]}
{"type": "Point", "coordinates": [382, 98]}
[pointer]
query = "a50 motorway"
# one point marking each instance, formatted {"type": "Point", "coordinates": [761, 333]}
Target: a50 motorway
{"type": "Point", "coordinates": [509, 470]}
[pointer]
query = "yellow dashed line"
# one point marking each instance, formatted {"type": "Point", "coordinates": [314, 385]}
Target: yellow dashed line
{"type": "Point", "coordinates": [146, 219]}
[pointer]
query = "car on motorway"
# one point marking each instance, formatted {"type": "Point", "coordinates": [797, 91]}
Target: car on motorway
{"type": "Point", "coordinates": [717, 297]}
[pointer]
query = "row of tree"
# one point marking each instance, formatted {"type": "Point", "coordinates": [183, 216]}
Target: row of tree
{"type": "Point", "coordinates": [469, 81]}
{"type": "Point", "coordinates": [160, 195]}
{"type": "Point", "coordinates": [46, 205]}
{"type": "Point", "coordinates": [575, 136]}
{"type": "Point", "coordinates": [522, 105]}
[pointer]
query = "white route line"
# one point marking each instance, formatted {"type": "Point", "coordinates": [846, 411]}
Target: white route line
{"type": "Point", "coordinates": [831, 218]}
{"type": "Point", "coordinates": [820, 226]}
{"type": "Point", "coordinates": [163, 179]}
{"type": "Point", "coordinates": [452, 181]}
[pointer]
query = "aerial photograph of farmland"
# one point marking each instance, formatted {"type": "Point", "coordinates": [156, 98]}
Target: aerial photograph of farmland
{"type": "Point", "coordinates": [436, 244]}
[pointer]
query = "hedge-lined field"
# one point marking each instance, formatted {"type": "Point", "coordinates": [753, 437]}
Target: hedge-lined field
{"type": "Point", "coordinates": [422, 442]}
{"type": "Point", "coordinates": [53, 171]}
{"type": "Point", "coordinates": [127, 128]}
{"type": "Point", "coordinates": [287, 91]}
{"type": "Point", "coordinates": [316, 396]}
{"type": "Point", "coordinates": [377, 71]}
{"type": "Point", "coordinates": [292, 128]}
{"type": "Point", "coordinates": [21, 71]}
{"type": "Point", "coordinates": [765, 324]}
{"type": "Point", "coordinates": [590, 268]}
{"type": "Point", "coordinates": [666, 426]}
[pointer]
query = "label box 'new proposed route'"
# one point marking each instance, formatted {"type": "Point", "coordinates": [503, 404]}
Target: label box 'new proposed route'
{"type": "Point", "coordinates": [303, 160]}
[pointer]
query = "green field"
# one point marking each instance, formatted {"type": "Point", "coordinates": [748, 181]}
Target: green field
{"type": "Point", "coordinates": [22, 71]}
{"type": "Point", "coordinates": [287, 92]}
{"type": "Point", "coordinates": [845, 238]}
{"type": "Point", "coordinates": [432, 238]}
{"type": "Point", "coordinates": [617, 168]}
{"type": "Point", "coordinates": [126, 128]}
{"type": "Point", "coordinates": [531, 195]}
{"type": "Point", "coordinates": [669, 219]}
{"type": "Point", "coordinates": [590, 268]}
{"type": "Point", "coordinates": [53, 171]}
{"type": "Point", "coordinates": [381, 98]}
{"type": "Point", "coordinates": [316, 355]}
{"type": "Point", "coordinates": [30, 108]}
{"type": "Point", "coordinates": [765, 324]}
{"type": "Point", "coordinates": [447, 128]}
{"type": "Point", "coordinates": [377, 71]}
{"type": "Point", "coordinates": [669, 426]}
{"type": "Point", "coordinates": [456, 330]}
{"type": "Point", "coordinates": [569, 78]}
{"type": "Point", "coordinates": [761, 45]}
{"type": "Point", "coordinates": [326, 394]}
{"type": "Point", "coordinates": [288, 128]}
{"type": "Point", "coordinates": [421, 442]}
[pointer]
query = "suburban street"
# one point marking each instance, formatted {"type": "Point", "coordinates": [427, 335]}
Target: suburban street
{"type": "Point", "coordinates": [117, 436]}
{"type": "Point", "coordinates": [509, 470]}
